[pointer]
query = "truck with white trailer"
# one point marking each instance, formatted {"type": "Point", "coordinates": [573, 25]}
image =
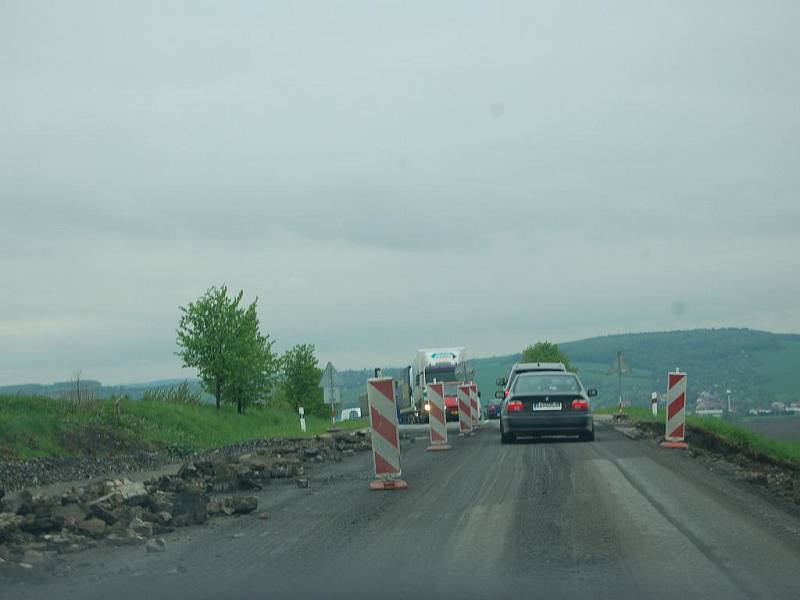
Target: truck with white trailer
{"type": "Point", "coordinates": [438, 365]}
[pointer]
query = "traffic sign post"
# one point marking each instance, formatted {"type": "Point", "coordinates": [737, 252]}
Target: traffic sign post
{"type": "Point", "coordinates": [332, 395]}
{"type": "Point", "coordinates": [385, 435]}
{"type": "Point", "coordinates": [331, 382]}
{"type": "Point", "coordinates": [436, 417]}
{"type": "Point", "coordinates": [464, 411]}
{"type": "Point", "coordinates": [676, 411]}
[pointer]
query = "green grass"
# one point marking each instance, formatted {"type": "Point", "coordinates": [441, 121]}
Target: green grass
{"type": "Point", "coordinates": [747, 442]}
{"type": "Point", "coordinates": [32, 426]}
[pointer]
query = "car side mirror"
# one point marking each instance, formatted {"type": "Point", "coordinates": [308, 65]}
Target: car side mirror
{"type": "Point", "coordinates": [591, 392]}
{"type": "Point", "coordinates": [501, 381]}
{"type": "Point", "coordinates": [499, 394]}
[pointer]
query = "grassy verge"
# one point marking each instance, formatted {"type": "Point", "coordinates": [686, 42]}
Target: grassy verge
{"type": "Point", "coordinates": [32, 426]}
{"type": "Point", "coordinates": [735, 437]}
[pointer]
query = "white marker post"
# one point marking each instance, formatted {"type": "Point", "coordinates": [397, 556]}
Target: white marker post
{"type": "Point", "coordinates": [676, 411]}
{"type": "Point", "coordinates": [475, 407]}
{"type": "Point", "coordinates": [464, 411]}
{"type": "Point", "coordinates": [302, 419]}
{"type": "Point", "coordinates": [385, 435]}
{"type": "Point", "coordinates": [437, 417]}
{"type": "Point", "coordinates": [654, 403]}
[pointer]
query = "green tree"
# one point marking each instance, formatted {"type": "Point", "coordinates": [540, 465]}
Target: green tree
{"type": "Point", "coordinates": [301, 375]}
{"type": "Point", "coordinates": [221, 339]}
{"type": "Point", "coordinates": [254, 365]}
{"type": "Point", "coordinates": [547, 352]}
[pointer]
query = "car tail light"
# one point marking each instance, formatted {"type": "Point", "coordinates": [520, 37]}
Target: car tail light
{"type": "Point", "coordinates": [580, 404]}
{"type": "Point", "coordinates": [515, 406]}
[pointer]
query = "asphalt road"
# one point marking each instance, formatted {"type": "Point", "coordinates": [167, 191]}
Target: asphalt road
{"type": "Point", "coordinates": [615, 518]}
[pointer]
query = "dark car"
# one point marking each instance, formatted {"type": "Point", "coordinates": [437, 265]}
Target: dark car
{"type": "Point", "coordinates": [493, 409]}
{"type": "Point", "coordinates": [547, 404]}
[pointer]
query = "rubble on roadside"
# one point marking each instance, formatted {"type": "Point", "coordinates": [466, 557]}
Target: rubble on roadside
{"type": "Point", "coordinates": [18, 473]}
{"type": "Point", "coordinates": [36, 529]}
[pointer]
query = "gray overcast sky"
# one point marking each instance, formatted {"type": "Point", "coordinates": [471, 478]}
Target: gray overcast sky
{"type": "Point", "coordinates": [390, 175]}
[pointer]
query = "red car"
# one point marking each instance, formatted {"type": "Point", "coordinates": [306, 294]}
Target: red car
{"type": "Point", "coordinates": [451, 400]}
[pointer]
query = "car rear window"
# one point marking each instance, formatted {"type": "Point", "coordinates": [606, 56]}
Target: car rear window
{"type": "Point", "coordinates": [535, 370]}
{"type": "Point", "coordinates": [546, 384]}
{"type": "Point", "coordinates": [539, 370]}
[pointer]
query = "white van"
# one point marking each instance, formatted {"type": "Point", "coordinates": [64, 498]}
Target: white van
{"type": "Point", "coordinates": [351, 414]}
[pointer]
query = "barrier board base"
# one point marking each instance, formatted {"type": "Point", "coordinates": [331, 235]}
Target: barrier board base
{"type": "Point", "coordinates": [437, 447]}
{"type": "Point", "coordinates": [388, 484]}
{"type": "Point", "coordinates": [674, 445]}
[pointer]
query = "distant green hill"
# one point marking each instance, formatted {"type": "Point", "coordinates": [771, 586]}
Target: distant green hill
{"type": "Point", "coordinates": [87, 386]}
{"type": "Point", "coordinates": [757, 366]}
{"type": "Point", "coordinates": [95, 389]}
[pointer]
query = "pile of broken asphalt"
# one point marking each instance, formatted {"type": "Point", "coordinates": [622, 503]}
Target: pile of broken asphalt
{"type": "Point", "coordinates": [36, 529]}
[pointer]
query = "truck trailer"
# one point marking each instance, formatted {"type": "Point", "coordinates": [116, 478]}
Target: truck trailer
{"type": "Point", "coordinates": [438, 365]}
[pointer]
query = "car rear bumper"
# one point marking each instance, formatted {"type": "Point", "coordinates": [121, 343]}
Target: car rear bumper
{"type": "Point", "coordinates": [557, 424]}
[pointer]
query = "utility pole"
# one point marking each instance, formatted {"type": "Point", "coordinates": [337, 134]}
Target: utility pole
{"type": "Point", "coordinates": [619, 366]}
{"type": "Point", "coordinates": [619, 373]}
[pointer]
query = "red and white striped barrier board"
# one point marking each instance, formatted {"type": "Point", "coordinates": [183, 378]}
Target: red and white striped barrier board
{"type": "Point", "coordinates": [385, 434]}
{"type": "Point", "coordinates": [436, 417]}
{"type": "Point", "coordinates": [676, 410]}
{"type": "Point", "coordinates": [464, 411]}
{"type": "Point", "coordinates": [475, 409]}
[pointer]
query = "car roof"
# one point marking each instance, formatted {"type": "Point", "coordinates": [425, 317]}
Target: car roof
{"type": "Point", "coordinates": [543, 373]}
{"type": "Point", "coordinates": [539, 366]}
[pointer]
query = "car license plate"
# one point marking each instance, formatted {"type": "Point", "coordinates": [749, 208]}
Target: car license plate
{"type": "Point", "coordinates": [547, 406]}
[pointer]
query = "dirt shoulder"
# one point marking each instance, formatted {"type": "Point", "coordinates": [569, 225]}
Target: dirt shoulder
{"type": "Point", "coordinates": [775, 479]}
